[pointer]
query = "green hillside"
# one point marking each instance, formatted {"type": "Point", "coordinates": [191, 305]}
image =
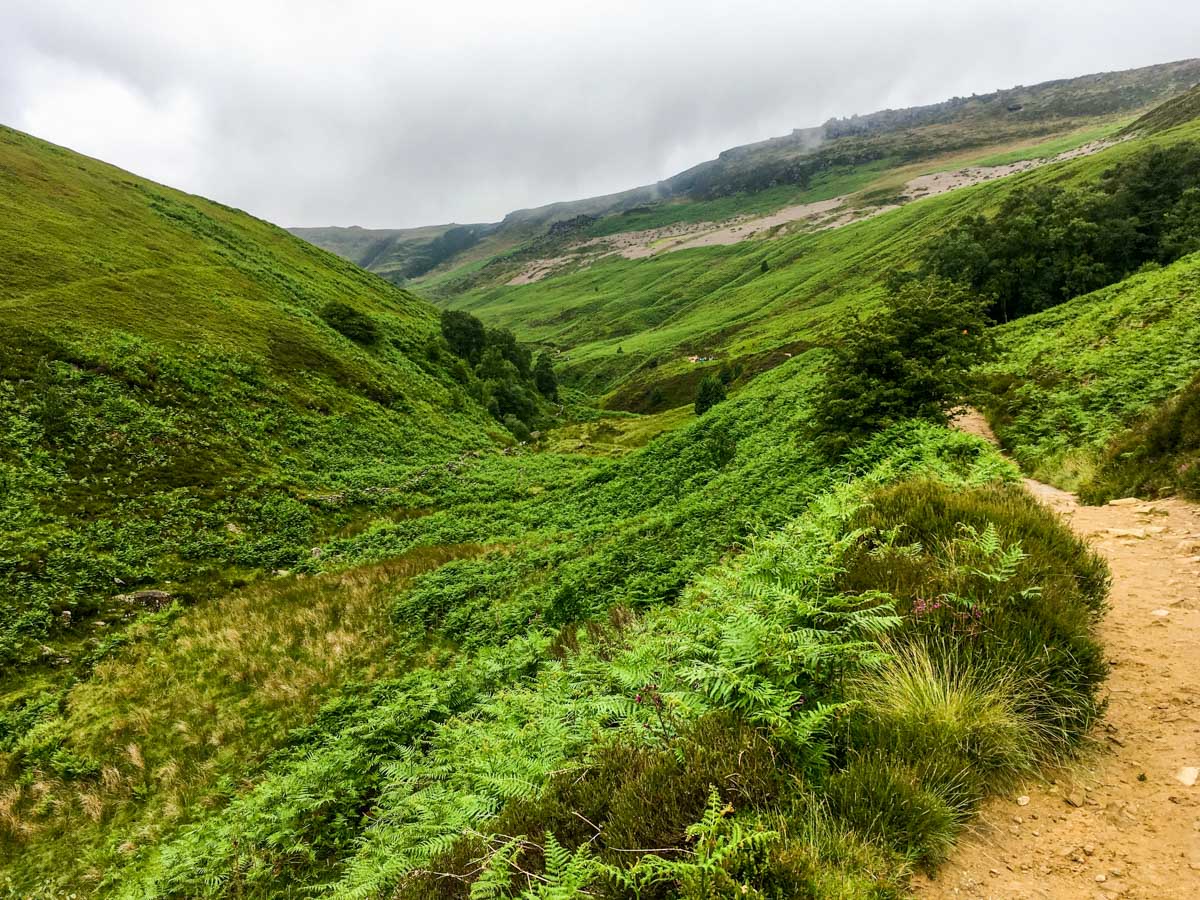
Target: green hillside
{"type": "Point", "coordinates": [780, 647]}
{"type": "Point", "coordinates": [176, 413]}
{"type": "Point", "coordinates": [839, 156]}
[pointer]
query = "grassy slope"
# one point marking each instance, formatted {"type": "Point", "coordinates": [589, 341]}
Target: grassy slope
{"type": "Point", "coordinates": [481, 685]}
{"type": "Point", "coordinates": [1071, 378]}
{"type": "Point", "coordinates": [1097, 394]}
{"type": "Point", "coordinates": [480, 694]}
{"type": "Point", "coordinates": [717, 301]}
{"type": "Point", "coordinates": [173, 411]}
{"type": "Point", "coordinates": [764, 176]}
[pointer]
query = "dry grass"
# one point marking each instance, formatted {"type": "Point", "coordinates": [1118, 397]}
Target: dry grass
{"type": "Point", "coordinates": [170, 715]}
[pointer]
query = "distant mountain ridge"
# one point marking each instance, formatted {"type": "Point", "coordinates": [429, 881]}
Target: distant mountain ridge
{"type": "Point", "coordinates": [794, 159]}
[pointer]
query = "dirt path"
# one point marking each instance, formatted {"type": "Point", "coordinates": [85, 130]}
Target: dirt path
{"type": "Point", "coordinates": [1125, 822]}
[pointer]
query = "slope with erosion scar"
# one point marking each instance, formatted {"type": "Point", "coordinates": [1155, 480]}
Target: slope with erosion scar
{"type": "Point", "coordinates": [821, 214]}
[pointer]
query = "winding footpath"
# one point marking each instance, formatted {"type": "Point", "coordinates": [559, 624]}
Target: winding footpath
{"type": "Point", "coordinates": [1123, 822]}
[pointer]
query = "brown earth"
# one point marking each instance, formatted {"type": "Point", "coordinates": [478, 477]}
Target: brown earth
{"type": "Point", "coordinates": [1125, 821]}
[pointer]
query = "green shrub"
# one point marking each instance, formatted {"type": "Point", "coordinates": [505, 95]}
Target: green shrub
{"type": "Point", "coordinates": [628, 797]}
{"type": "Point", "coordinates": [1036, 616]}
{"type": "Point", "coordinates": [516, 427]}
{"type": "Point", "coordinates": [349, 322]}
{"type": "Point", "coordinates": [910, 360]}
{"type": "Point", "coordinates": [924, 712]}
{"type": "Point", "coordinates": [710, 392]}
{"type": "Point", "coordinates": [888, 800]}
{"type": "Point", "coordinates": [464, 333]}
{"type": "Point", "coordinates": [544, 377]}
{"type": "Point", "coordinates": [1047, 244]}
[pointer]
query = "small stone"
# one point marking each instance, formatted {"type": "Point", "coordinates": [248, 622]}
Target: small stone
{"type": "Point", "coordinates": [1022, 800]}
{"type": "Point", "coordinates": [1089, 849]}
{"type": "Point", "coordinates": [1101, 878]}
{"type": "Point", "coordinates": [1187, 775]}
{"type": "Point", "coordinates": [1134, 533]}
{"type": "Point", "coordinates": [1075, 798]}
{"type": "Point", "coordinates": [1161, 613]}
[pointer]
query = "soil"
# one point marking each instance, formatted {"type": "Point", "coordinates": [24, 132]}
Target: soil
{"type": "Point", "coordinates": [1124, 822]}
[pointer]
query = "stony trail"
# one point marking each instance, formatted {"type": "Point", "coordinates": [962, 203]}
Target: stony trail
{"type": "Point", "coordinates": [1125, 821]}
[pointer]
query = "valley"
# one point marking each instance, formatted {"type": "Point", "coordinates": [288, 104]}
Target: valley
{"type": "Point", "coordinates": [627, 547]}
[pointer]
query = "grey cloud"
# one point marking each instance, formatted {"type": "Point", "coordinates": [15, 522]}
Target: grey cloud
{"type": "Point", "coordinates": [390, 115]}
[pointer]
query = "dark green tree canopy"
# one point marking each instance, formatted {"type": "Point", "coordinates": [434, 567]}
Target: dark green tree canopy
{"type": "Point", "coordinates": [506, 343]}
{"type": "Point", "coordinates": [1047, 245]}
{"type": "Point", "coordinates": [544, 377]}
{"type": "Point", "coordinates": [710, 392]}
{"type": "Point", "coordinates": [464, 333]}
{"type": "Point", "coordinates": [910, 360]}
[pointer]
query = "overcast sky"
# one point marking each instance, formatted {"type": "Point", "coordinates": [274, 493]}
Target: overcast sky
{"type": "Point", "coordinates": [397, 114]}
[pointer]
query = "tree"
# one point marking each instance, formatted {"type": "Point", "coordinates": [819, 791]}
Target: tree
{"type": "Point", "coordinates": [544, 377]}
{"type": "Point", "coordinates": [709, 394]}
{"type": "Point", "coordinates": [464, 333]}
{"type": "Point", "coordinates": [910, 360]}
{"type": "Point", "coordinates": [505, 342]}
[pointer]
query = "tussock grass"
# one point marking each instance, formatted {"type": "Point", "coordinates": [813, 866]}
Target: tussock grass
{"type": "Point", "coordinates": [919, 708]}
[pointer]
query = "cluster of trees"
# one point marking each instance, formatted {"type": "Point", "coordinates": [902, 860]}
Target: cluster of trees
{"type": "Point", "coordinates": [1046, 245]}
{"type": "Point", "coordinates": [501, 371]}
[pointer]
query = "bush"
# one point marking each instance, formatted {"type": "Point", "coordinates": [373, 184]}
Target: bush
{"type": "Point", "coordinates": [709, 394]}
{"type": "Point", "coordinates": [516, 427]}
{"type": "Point", "coordinates": [924, 711]}
{"type": "Point", "coordinates": [349, 322]}
{"type": "Point", "coordinates": [1047, 245]}
{"type": "Point", "coordinates": [886, 799]}
{"type": "Point", "coordinates": [544, 377]}
{"type": "Point", "coordinates": [636, 796]}
{"type": "Point", "coordinates": [464, 333]}
{"type": "Point", "coordinates": [1036, 608]}
{"type": "Point", "coordinates": [505, 343]}
{"type": "Point", "coordinates": [909, 361]}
